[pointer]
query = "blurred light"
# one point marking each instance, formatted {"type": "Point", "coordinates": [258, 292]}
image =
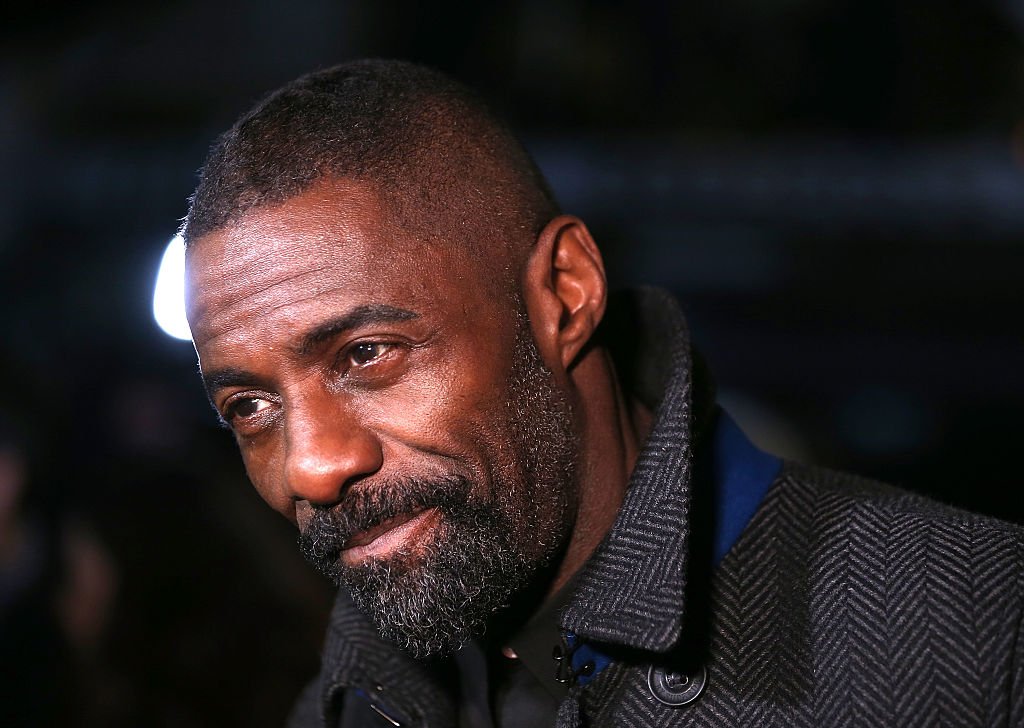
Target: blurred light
{"type": "Point", "coordinates": [169, 293]}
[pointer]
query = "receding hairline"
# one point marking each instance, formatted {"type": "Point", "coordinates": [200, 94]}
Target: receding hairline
{"type": "Point", "coordinates": [392, 219]}
{"type": "Point", "coordinates": [440, 158]}
{"type": "Point", "coordinates": [499, 268]}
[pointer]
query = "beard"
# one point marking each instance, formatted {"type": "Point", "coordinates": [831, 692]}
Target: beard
{"type": "Point", "coordinates": [432, 598]}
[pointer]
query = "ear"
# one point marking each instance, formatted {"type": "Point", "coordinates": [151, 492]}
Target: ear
{"type": "Point", "coordinates": [565, 288]}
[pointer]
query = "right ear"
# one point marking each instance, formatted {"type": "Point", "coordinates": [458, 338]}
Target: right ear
{"type": "Point", "coordinates": [565, 289]}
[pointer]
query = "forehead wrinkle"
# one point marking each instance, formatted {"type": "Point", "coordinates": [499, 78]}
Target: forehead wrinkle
{"type": "Point", "coordinates": [263, 311]}
{"type": "Point", "coordinates": [241, 292]}
{"type": "Point", "coordinates": [258, 291]}
{"type": "Point", "coordinates": [241, 264]}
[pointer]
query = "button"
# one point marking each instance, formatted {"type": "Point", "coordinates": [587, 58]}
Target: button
{"type": "Point", "coordinates": [676, 688]}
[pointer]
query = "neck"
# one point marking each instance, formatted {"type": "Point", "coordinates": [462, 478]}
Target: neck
{"type": "Point", "coordinates": [613, 430]}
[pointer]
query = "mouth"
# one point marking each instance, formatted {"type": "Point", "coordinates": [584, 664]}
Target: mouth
{"type": "Point", "coordinates": [398, 533]}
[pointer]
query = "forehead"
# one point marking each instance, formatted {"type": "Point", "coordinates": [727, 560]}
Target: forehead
{"type": "Point", "coordinates": [334, 245]}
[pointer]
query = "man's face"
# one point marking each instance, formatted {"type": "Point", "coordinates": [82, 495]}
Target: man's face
{"type": "Point", "coordinates": [388, 399]}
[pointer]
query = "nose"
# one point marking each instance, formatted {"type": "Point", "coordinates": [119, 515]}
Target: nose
{"type": "Point", "coordinates": [327, 449]}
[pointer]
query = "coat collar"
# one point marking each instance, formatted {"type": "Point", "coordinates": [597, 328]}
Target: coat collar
{"type": "Point", "coordinates": [632, 590]}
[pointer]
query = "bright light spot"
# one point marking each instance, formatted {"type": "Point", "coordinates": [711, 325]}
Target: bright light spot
{"type": "Point", "coordinates": [169, 294]}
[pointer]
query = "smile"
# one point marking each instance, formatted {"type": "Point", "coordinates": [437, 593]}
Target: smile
{"type": "Point", "coordinates": [400, 532]}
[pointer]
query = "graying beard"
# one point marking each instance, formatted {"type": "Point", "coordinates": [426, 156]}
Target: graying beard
{"type": "Point", "coordinates": [433, 601]}
{"type": "Point", "coordinates": [434, 598]}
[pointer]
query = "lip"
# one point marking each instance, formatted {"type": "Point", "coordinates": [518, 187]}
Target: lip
{"type": "Point", "coordinates": [389, 536]}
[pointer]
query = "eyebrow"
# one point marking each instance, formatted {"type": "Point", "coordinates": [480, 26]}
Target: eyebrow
{"type": "Point", "coordinates": [365, 315]}
{"type": "Point", "coordinates": [227, 377]}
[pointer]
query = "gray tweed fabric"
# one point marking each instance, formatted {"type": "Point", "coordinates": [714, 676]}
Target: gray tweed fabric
{"type": "Point", "coordinates": [844, 603]}
{"type": "Point", "coordinates": [848, 603]}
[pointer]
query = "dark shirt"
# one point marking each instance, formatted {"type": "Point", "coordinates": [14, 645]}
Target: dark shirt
{"type": "Point", "coordinates": [514, 686]}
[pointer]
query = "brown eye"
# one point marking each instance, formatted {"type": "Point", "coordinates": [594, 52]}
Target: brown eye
{"type": "Point", "coordinates": [247, 407]}
{"type": "Point", "coordinates": [362, 354]}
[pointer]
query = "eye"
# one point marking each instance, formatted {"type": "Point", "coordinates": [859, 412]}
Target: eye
{"type": "Point", "coordinates": [244, 409]}
{"type": "Point", "coordinates": [367, 352]}
{"type": "Point", "coordinates": [248, 406]}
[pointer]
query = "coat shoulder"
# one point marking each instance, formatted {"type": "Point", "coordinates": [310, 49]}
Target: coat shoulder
{"type": "Point", "coordinates": [884, 607]}
{"type": "Point", "coordinates": [837, 495]}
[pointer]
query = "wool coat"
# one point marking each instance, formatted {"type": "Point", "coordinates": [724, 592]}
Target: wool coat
{"type": "Point", "coordinates": [844, 602]}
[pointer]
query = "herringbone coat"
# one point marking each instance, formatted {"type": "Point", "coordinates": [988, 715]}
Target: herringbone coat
{"type": "Point", "coordinates": [843, 603]}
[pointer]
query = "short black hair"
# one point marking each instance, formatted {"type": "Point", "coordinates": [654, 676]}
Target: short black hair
{"type": "Point", "coordinates": [438, 157]}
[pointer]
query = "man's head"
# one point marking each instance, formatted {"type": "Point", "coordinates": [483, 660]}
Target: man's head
{"type": "Point", "coordinates": [390, 316]}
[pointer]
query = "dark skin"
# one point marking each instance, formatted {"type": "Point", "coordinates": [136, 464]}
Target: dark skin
{"type": "Point", "coordinates": [344, 351]}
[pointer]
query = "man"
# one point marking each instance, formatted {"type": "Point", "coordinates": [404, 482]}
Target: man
{"type": "Point", "coordinates": [535, 511]}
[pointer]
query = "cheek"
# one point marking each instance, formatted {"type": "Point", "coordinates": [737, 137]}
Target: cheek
{"type": "Point", "coordinates": [448, 412]}
{"type": "Point", "coordinates": [448, 379]}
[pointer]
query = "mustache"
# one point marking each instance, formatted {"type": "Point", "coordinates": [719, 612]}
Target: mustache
{"type": "Point", "coordinates": [331, 528]}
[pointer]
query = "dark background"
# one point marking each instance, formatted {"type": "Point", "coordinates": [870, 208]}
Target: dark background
{"type": "Point", "coordinates": [833, 187]}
